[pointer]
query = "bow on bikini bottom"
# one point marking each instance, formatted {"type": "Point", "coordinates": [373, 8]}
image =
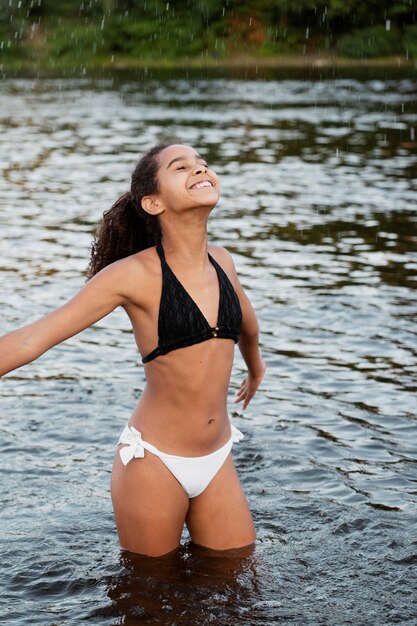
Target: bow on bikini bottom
{"type": "Point", "coordinates": [194, 473]}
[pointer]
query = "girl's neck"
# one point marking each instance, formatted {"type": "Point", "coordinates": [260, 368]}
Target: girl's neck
{"type": "Point", "coordinates": [187, 245]}
{"type": "Point", "coordinates": [186, 250]}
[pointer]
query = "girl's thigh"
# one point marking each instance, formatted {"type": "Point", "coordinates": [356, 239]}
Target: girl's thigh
{"type": "Point", "coordinates": [220, 517]}
{"type": "Point", "coordinates": [149, 504]}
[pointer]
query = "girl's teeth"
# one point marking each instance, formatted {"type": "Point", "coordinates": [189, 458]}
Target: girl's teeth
{"type": "Point", "coordinates": [200, 185]}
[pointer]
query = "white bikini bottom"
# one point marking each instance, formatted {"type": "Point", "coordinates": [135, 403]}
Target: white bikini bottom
{"type": "Point", "coordinates": [194, 473]}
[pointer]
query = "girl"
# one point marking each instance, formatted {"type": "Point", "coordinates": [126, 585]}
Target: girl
{"type": "Point", "coordinates": [187, 309]}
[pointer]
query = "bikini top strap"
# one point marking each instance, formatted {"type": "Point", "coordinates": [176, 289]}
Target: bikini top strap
{"type": "Point", "coordinates": [160, 251]}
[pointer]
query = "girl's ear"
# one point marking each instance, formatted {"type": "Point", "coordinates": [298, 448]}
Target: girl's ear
{"type": "Point", "coordinates": [151, 205]}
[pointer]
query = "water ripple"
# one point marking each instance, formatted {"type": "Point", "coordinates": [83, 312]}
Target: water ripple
{"type": "Point", "coordinates": [318, 183]}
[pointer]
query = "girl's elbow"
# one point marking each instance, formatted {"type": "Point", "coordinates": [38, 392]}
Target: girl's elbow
{"type": "Point", "coordinates": [249, 332]}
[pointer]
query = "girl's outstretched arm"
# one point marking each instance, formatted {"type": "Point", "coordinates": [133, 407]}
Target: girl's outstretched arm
{"type": "Point", "coordinates": [101, 295]}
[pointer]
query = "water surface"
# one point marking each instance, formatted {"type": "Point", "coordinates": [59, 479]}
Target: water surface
{"type": "Point", "coordinates": [318, 176]}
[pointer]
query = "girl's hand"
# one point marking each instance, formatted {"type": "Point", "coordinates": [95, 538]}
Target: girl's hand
{"type": "Point", "coordinates": [249, 386]}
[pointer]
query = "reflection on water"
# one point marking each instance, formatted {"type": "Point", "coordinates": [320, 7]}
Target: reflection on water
{"type": "Point", "coordinates": [318, 176]}
{"type": "Point", "coordinates": [191, 586]}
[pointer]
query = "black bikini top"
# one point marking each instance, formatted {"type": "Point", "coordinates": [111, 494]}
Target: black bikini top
{"type": "Point", "coordinates": [180, 321]}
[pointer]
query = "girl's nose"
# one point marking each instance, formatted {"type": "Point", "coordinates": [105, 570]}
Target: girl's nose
{"type": "Point", "coordinates": [200, 168]}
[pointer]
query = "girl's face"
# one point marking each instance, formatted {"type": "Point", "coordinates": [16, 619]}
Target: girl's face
{"type": "Point", "coordinates": [185, 179]}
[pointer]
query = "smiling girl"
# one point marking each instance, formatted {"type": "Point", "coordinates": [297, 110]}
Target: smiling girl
{"type": "Point", "coordinates": [187, 309]}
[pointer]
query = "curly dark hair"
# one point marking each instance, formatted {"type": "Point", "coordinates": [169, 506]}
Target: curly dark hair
{"type": "Point", "coordinates": [126, 227]}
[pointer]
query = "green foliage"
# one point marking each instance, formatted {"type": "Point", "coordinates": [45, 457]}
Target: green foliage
{"type": "Point", "coordinates": [10, 45]}
{"type": "Point", "coordinates": [49, 8]}
{"type": "Point", "coordinates": [168, 36]}
{"type": "Point", "coordinates": [370, 42]}
{"type": "Point", "coordinates": [64, 31]}
{"type": "Point", "coordinates": [404, 8]}
{"type": "Point", "coordinates": [74, 41]}
{"type": "Point", "coordinates": [284, 40]}
{"type": "Point", "coordinates": [410, 41]}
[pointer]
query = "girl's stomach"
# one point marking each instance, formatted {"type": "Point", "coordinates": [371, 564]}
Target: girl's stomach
{"type": "Point", "coordinates": [183, 409]}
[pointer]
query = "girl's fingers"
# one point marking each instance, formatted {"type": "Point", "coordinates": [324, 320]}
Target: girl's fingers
{"type": "Point", "coordinates": [248, 398]}
{"type": "Point", "coordinates": [247, 389]}
{"type": "Point", "coordinates": [245, 392]}
{"type": "Point", "coordinates": [241, 392]}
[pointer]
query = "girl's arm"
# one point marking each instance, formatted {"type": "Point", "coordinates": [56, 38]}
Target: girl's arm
{"type": "Point", "coordinates": [249, 347]}
{"type": "Point", "coordinates": [101, 295]}
{"type": "Point", "coordinates": [249, 338]}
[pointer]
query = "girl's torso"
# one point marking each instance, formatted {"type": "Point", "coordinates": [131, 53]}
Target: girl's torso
{"type": "Point", "coordinates": [183, 409]}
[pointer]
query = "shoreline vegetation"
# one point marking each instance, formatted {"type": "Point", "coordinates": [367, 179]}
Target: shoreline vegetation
{"type": "Point", "coordinates": [54, 35]}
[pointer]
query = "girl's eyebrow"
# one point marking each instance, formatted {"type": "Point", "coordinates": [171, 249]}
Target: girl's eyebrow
{"type": "Point", "coordinates": [183, 158]}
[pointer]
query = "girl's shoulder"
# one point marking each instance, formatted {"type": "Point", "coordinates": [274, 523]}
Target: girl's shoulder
{"type": "Point", "coordinates": [143, 262]}
{"type": "Point", "coordinates": [223, 258]}
{"type": "Point", "coordinates": [135, 275]}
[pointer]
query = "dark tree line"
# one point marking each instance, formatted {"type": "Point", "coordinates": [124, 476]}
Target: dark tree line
{"type": "Point", "coordinates": [175, 28]}
{"type": "Point", "coordinates": [344, 14]}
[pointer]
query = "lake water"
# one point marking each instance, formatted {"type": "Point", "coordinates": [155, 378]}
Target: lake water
{"type": "Point", "coordinates": [318, 174]}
